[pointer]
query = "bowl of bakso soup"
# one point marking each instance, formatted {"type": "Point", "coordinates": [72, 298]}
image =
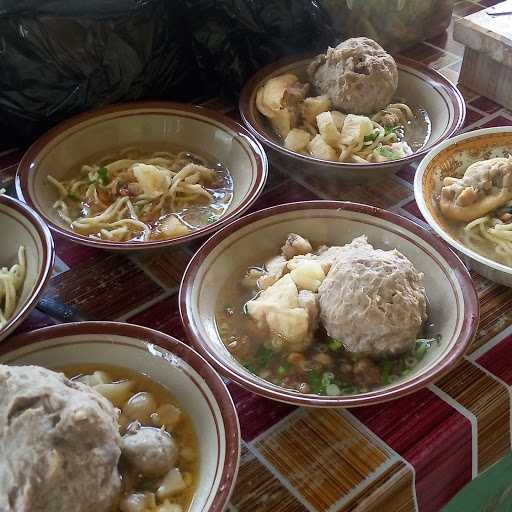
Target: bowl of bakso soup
{"type": "Point", "coordinates": [354, 112]}
{"type": "Point", "coordinates": [26, 262]}
{"type": "Point", "coordinates": [110, 417]}
{"type": "Point", "coordinates": [328, 304]}
{"type": "Point", "coordinates": [464, 191]}
{"type": "Point", "coordinates": [142, 175]}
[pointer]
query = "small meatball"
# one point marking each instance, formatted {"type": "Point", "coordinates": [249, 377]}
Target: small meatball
{"type": "Point", "coordinates": [295, 245]}
{"type": "Point", "coordinates": [366, 373]}
{"type": "Point", "coordinates": [151, 451]}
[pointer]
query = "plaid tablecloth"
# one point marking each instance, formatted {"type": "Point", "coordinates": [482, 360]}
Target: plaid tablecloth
{"type": "Point", "coordinates": [413, 453]}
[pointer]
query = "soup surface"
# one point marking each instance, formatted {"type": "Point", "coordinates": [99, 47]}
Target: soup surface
{"type": "Point", "coordinates": [145, 404]}
{"type": "Point", "coordinates": [262, 308]}
{"type": "Point", "coordinates": [143, 193]}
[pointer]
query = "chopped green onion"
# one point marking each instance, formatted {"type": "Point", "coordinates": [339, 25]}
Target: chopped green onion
{"type": "Point", "coordinates": [263, 356]}
{"type": "Point", "coordinates": [211, 218]}
{"type": "Point", "coordinates": [387, 367]}
{"type": "Point", "coordinates": [421, 350]}
{"type": "Point", "coordinates": [334, 344]}
{"type": "Point", "coordinates": [387, 153]}
{"type": "Point", "coordinates": [148, 485]}
{"type": "Point", "coordinates": [327, 379]}
{"type": "Point", "coordinates": [103, 175]}
{"type": "Point", "coordinates": [332, 390]}
{"type": "Point", "coordinates": [371, 137]}
{"type": "Point", "coordinates": [282, 371]}
{"type": "Point", "coordinates": [315, 381]}
{"type": "Point", "coordinates": [250, 367]}
{"type": "Point", "coordinates": [388, 130]}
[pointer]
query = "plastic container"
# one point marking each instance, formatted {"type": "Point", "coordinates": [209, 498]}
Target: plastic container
{"type": "Point", "coordinates": [395, 24]}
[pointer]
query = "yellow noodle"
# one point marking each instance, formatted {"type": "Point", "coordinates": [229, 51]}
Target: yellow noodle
{"type": "Point", "coordinates": [125, 218]}
{"type": "Point", "coordinates": [11, 282]}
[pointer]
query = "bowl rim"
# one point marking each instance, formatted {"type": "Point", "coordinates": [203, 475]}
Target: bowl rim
{"type": "Point", "coordinates": [422, 203]}
{"type": "Point", "coordinates": [47, 261]}
{"type": "Point", "coordinates": [145, 336]}
{"type": "Point", "coordinates": [24, 172]}
{"type": "Point", "coordinates": [435, 79]}
{"type": "Point", "coordinates": [469, 320]}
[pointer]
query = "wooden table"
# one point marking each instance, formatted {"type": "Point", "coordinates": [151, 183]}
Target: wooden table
{"type": "Point", "coordinates": [414, 453]}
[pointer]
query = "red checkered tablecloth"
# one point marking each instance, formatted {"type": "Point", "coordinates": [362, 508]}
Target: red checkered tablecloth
{"type": "Point", "coordinates": [414, 453]}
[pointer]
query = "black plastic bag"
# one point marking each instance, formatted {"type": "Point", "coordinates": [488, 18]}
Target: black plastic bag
{"type": "Point", "coordinates": [234, 38]}
{"type": "Point", "coordinates": [61, 57]}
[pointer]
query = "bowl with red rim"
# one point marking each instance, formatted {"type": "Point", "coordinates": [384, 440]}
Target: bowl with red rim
{"type": "Point", "coordinates": [251, 240]}
{"type": "Point", "coordinates": [21, 226]}
{"type": "Point", "coordinates": [85, 137]}
{"type": "Point", "coordinates": [418, 85]}
{"type": "Point", "coordinates": [191, 380]}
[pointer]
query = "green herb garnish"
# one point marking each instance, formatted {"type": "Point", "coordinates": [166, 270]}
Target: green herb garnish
{"type": "Point", "coordinates": [103, 175]}
{"type": "Point", "coordinates": [371, 137]}
{"type": "Point", "coordinates": [211, 218]}
{"type": "Point", "coordinates": [283, 370]}
{"type": "Point", "coordinates": [263, 356]}
{"type": "Point", "coordinates": [388, 130]}
{"type": "Point", "coordinates": [73, 197]}
{"type": "Point", "coordinates": [250, 367]}
{"type": "Point", "coordinates": [149, 485]}
{"type": "Point", "coordinates": [421, 350]}
{"type": "Point", "coordinates": [387, 367]}
{"type": "Point", "coordinates": [387, 153]}
{"type": "Point", "coordinates": [315, 381]}
{"type": "Point", "coordinates": [334, 345]}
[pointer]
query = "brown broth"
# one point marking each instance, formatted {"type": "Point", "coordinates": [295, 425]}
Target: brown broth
{"type": "Point", "coordinates": [350, 373]}
{"type": "Point", "coordinates": [193, 217]}
{"type": "Point", "coordinates": [184, 433]}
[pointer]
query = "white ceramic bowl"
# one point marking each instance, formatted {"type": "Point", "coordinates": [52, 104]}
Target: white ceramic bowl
{"type": "Point", "coordinates": [254, 238]}
{"type": "Point", "coordinates": [19, 225]}
{"type": "Point", "coordinates": [62, 149]}
{"type": "Point", "coordinates": [194, 383]}
{"type": "Point", "coordinates": [451, 158]}
{"type": "Point", "coordinates": [417, 85]}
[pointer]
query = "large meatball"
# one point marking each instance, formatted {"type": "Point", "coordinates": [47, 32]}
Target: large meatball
{"type": "Point", "coordinates": [359, 76]}
{"type": "Point", "coordinates": [151, 451]}
{"type": "Point", "coordinates": [373, 300]}
{"type": "Point", "coordinates": [59, 444]}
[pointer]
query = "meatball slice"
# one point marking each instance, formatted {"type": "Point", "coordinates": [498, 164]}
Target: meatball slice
{"type": "Point", "coordinates": [150, 451]}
